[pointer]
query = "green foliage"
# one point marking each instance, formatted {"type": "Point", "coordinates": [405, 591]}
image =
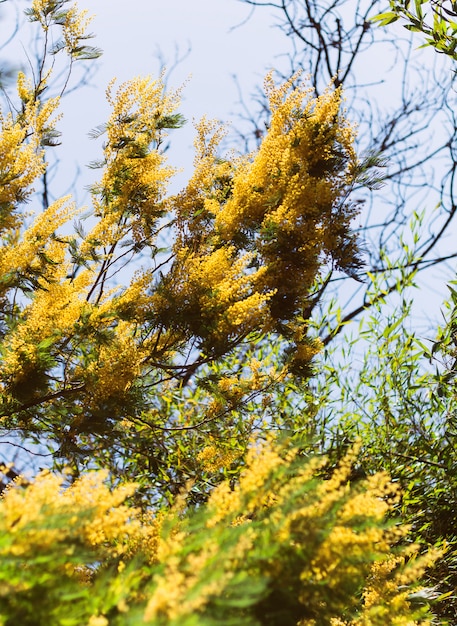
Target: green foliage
{"type": "Point", "coordinates": [439, 24]}
{"type": "Point", "coordinates": [401, 403]}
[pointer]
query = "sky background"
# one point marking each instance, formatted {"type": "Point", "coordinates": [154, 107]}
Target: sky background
{"type": "Point", "coordinates": [219, 40]}
{"type": "Point", "coordinates": [216, 38]}
{"type": "Point", "coordinates": [225, 39]}
{"type": "Point", "coordinates": [222, 43]}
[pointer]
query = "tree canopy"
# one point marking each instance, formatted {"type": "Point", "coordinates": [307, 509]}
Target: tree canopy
{"type": "Point", "coordinates": [203, 463]}
{"type": "Point", "coordinates": [98, 347]}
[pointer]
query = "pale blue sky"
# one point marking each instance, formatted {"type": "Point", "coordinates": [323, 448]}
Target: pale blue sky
{"type": "Point", "coordinates": [131, 34]}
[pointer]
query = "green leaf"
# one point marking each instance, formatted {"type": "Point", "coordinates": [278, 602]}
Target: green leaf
{"type": "Point", "coordinates": [385, 18]}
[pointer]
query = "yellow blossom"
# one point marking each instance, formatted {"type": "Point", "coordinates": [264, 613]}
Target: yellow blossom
{"type": "Point", "coordinates": [97, 620]}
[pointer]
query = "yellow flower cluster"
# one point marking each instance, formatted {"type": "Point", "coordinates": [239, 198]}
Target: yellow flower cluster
{"type": "Point", "coordinates": [93, 513]}
{"type": "Point", "coordinates": [214, 457]}
{"type": "Point", "coordinates": [40, 11]}
{"type": "Point", "coordinates": [24, 255]}
{"type": "Point", "coordinates": [129, 195]}
{"type": "Point", "coordinates": [188, 584]}
{"type": "Point", "coordinates": [225, 501]}
{"type": "Point", "coordinates": [226, 288]}
{"type": "Point", "coordinates": [134, 301]}
{"type": "Point", "coordinates": [291, 183]}
{"type": "Point", "coordinates": [253, 231]}
{"type": "Point", "coordinates": [173, 595]}
{"type": "Point", "coordinates": [72, 21]}
{"type": "Point", "coordinates": [52, 315]}
{"type": "Point", "coordinates": [386, 594]}
{"type": "Point", "coordinates": [21, 157]}
{"type": "Point", "coordinates": [339, 553]}
{"type": "Point", "coordinates": [74, 27]}
{"type": "Point", "coordinates": [199, 201]}
{"type": "Point", "coordinates": [116, 368]}
{"type": "Point", "coordinates": [281, 524]}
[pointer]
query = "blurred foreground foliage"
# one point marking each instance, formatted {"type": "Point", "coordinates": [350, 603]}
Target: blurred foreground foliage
{"type": "Point", "coordinates": [284, 546]}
